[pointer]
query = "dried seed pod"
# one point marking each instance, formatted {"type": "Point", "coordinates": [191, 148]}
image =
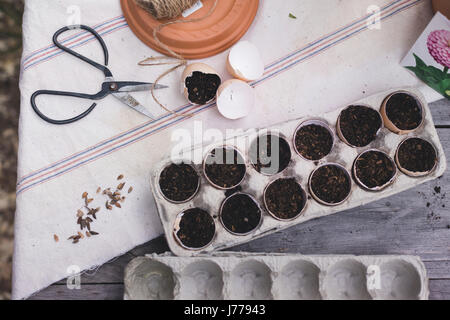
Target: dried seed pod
{"type": "Point", "coordinates": [108, 206]}
{"type": "Point", "coordinates": [80, 235]}
{"type": "Point", "coordinates": [120, 186]}
{"type": "Point", "coordinates": [56, 238]}
{"type": "Point", "coordinates": [84, 195]}
{"type": "Point", "coordinates": [93, 233]}
{"type": "Point", "coordinates": [79, 220]}
{"type": "Point", "coordinates": [75, 241]}
{"type": "Point", "coordinates": [71, 238]}
{"type": "Point", "coordinates": [120, 177]}
{"type": "Point", "coordinates": [99, 189]}
{"type": "Point", "coordinates": [130, 190]}
{"type": "Point", "coordinates": [88, 234]}
{"type": "Point", "coordinates": [89, 201]}
{"type": "Point", "coordinates": [117, 204]}
{"type": "Point", "coordinates": [80, 214]}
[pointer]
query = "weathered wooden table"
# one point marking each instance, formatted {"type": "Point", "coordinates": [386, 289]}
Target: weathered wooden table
{"type": "Point", "coordinates": [415, 222]}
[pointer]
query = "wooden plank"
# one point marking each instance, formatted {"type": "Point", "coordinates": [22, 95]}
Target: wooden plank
{"type": "Point", "coordinates": [87, 292]}
{"type": "Point", "coordinates": [441, 112]}
{"type": "Point", "coordinates": [439, 289]}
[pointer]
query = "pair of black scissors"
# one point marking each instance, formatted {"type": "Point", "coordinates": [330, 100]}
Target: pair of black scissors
{"type": "Point", "coordinates": [119, 89]}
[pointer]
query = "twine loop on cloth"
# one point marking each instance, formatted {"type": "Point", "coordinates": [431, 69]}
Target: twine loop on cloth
{"type": "Point", "coordinates": [174, 58]}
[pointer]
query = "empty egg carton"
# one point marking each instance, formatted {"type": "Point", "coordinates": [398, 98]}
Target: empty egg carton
{"type": "Point", "coordinates": [247, 276]}
{"type": "Point", "coordinates": [210, 198]}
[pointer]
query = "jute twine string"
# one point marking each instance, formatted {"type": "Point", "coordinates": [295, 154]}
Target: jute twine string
{"type": "Point", "coordinates": [174, 58]}
{"type": "Point", "coordinates": [166, 9]}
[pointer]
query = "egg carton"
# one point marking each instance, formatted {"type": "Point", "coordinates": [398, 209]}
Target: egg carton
{"type": "Point", "coordinates": [210, 198]}
{"type": "Point", "coordinates": [253, 276]}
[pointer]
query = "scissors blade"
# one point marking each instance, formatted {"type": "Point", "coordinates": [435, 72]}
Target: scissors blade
{"type": "Point", "coordinates": [133, 104]}
{"type": "Point", "coordinates": [138, 86]}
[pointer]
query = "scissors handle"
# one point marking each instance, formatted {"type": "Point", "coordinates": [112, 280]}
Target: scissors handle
{"type": "Point", "coordinates": [66, 94]}
{"type": "Point", "coordinates": [100, 67]}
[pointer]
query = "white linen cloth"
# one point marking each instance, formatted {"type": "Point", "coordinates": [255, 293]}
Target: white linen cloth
{"type": "Point", "coordinates": [58, 163]}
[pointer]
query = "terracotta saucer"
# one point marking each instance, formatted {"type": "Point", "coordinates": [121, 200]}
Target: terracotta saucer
{"type": "Point", "coordinates": [228, 23]}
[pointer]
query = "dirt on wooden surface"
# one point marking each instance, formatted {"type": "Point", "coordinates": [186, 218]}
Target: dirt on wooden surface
{"type": "Point", "coordinates": [10, 51]}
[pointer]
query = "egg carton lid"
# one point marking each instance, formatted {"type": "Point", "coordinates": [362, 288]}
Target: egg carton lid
{"type": "Point", "coordinates": [244, 275]}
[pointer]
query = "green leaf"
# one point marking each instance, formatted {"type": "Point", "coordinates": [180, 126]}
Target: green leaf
{"type": "Point", "coordinates": [419, 62]}
{"type": "Point", "coordinates": [292, 16]}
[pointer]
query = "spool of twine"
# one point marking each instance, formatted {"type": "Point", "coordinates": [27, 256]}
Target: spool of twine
{"type": "Point", "coordinates": [169, 8]}
{"type": "Point", "coordinates": [165, 9]}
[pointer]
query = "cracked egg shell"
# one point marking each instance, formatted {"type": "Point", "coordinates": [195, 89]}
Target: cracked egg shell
{"type": "Point", "coordinates": [244, 62]}
{"type": "Point", "coordinates": [235, 99]}
{"type": "Point", "coordinates": [200, 83]}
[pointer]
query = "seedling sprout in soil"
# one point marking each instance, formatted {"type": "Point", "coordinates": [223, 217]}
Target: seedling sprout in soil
{"type": "Point", "coordinates": [285, 199]}
{"type": "Point", "coordinates": [179, 182]}
{"type": "Point", "coordinates": [330, 184]}
{"type": "Point", "coordinates": [240, 214]}
{"type": "Point", "coordinates": [359, 125]}
{"type": "Point", "coordinates": [225, 168]}
{"type": "Point", "coordinates": [313, 141]}
{"type": "Point", "coordinates": [196, 229]}
{"type": "Point", "coordinates": [416, 156]}
{"type": "Point", "coordinates": [404, 111]}
{"type": "Point", "coordinates": [270, 154]}
{"type": "Point", "coordinates": [374, 170]}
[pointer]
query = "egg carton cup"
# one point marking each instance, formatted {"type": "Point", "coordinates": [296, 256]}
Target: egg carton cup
{"type": "Point", "coordinates": [210, 198]}
{"type": "Point", "coordinates": [254, 276]}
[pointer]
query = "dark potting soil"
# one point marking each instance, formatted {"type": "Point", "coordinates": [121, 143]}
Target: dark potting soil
{"type": "Point", "coordinates": [202, 87]}
{"type": "Point", "coordinates": [313, 142]}
{"type": "Point", "coordinates": [417, 155]}
{"type": "Point", "coordinates": [179, 182]}
{"type": "Point", "coordinates": [197, 228]}
{"type": "Point", "coordinates": [374, 169]}
{"type": "Point", "coordinates": [330, 184]}
{"type": "Point", "coordinates": [225, 167]}
{"type": "Point", "coordinates": [404, 111]}
{"type": "Point", "coordinates": [240, 214]}
{"type": "Point", "coordinates": [285, 198]}
{"type": "Point", "coordinates": [261, 154]}
{"type": "Point", "coordinates": [360, 125]}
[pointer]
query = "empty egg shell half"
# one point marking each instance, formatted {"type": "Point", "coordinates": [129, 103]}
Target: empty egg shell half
{"type": "Point", "coordinates": [244, 62]}
{"type": "Point", "coordinates": [200, 83]}
{"type": "Point", "coordinates": [249, 276]}
{"type": "Point", "coordinates": [235, 99]}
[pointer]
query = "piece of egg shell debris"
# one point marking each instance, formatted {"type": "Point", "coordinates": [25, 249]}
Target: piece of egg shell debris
{"type": "Point", "coordinates": [200, 83]}
{"type": "Point", "coordinates": [245, 62]}
{"type": "Point", "coordinates": [235, 99]}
